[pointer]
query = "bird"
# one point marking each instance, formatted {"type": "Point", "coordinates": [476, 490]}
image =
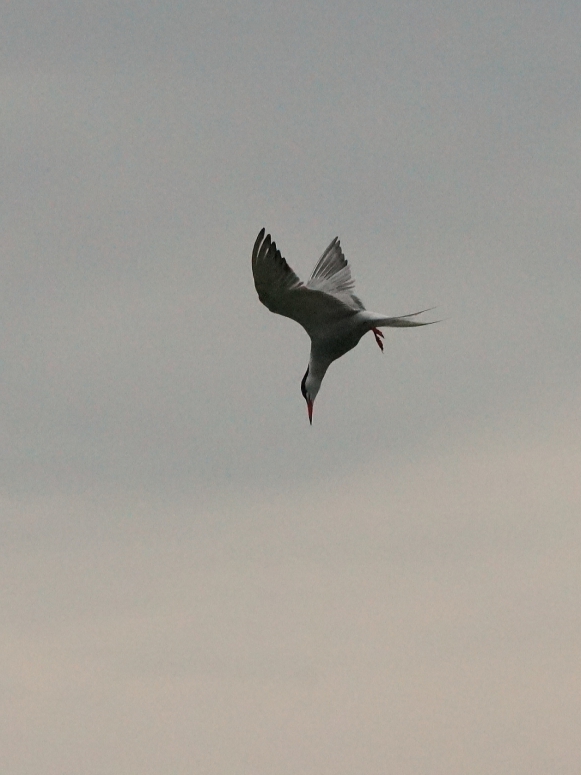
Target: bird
{"type": "Point", "coordinates": [326, 307]}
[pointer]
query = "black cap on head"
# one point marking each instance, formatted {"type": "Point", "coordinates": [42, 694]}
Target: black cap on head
{"type": "Point", "coordinates": [306, 396]}
{"type": "Point", "coordinates": [303, 385]}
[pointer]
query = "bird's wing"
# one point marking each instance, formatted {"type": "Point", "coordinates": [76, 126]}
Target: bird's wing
{"type": "Point", "coordinates": [273, 277]}
{"type": "Point", "coordinates": [332, 275]}
{"type": "Point", "coordinates": [280, 289]}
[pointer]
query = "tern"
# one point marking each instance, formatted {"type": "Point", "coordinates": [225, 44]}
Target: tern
{"type": "Point", "coordinates": [326, 307]}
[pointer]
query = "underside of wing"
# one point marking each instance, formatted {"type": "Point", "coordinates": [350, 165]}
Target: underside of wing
{"type": "Point", "coordinates": [332, 275]}
{"type": "Point", "coordinates": [273, 277]}
{"type": "Point", "coordinates": [280, 289]}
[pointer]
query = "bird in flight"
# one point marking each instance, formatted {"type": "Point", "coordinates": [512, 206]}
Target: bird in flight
{"type": "Point", "coordinates": [326, 307]}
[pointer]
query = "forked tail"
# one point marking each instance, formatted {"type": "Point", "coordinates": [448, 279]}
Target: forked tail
{"type": "Point", "coordinates": [403, 321]}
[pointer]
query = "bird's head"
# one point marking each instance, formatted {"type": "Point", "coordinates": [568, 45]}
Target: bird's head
{"type": "Point", "coordinates": [309, 389]}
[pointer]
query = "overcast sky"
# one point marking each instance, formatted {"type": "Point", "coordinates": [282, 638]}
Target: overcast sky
{"type": "Point", "coordinates": [194, 580]}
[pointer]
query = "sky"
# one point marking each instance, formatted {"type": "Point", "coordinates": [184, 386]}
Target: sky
{"type": "Point", "coordinates": [194, 580]}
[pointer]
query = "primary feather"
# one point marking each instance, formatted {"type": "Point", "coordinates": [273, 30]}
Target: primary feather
{"type": "Point", "coordinates": [332, 275]}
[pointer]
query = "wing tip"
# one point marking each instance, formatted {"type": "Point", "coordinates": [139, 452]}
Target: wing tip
{"type": "Point", "coordinates": [258, 243]}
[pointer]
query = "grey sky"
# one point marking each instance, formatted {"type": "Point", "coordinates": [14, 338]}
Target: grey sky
{"type": "Point", "coordinates": [194, 579]}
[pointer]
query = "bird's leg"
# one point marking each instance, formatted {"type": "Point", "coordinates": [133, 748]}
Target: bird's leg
{"type": "Point", "coordinates": [378, 334]}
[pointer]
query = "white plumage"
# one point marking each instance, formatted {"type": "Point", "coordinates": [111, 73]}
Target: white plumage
{"type": "Point", "coordinates": [326, 307]}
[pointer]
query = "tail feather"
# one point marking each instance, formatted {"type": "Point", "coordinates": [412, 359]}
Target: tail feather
{"type": "Point", "coordinates": [403, 320]}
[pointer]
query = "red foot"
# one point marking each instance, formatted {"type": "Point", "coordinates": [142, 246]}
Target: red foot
{"type": "Point", "coordinates": [377, 333]}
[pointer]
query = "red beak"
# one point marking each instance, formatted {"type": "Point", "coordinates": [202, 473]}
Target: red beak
{"type": "Point", "coordinates": [310, 410]}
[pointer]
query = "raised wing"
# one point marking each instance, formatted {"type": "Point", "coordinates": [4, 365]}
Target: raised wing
{"type": "Point", "coordinates": [332, 275]}
{"type": "Point", "coordinates": [273, 277]}
{"type": "Point", "coordinates": [280, 289]}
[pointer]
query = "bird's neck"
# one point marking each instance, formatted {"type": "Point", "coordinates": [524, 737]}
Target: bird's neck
{"type": "Point", "coordinates": [317, 369]}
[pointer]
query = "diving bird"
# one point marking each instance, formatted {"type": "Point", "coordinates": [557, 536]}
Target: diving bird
{"type": "Point", "coordinates": [326, 307]}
